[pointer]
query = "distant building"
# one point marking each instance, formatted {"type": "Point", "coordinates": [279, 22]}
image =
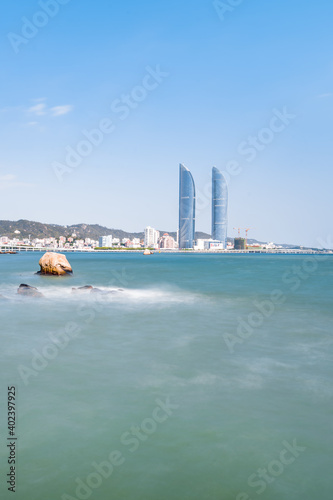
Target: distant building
{"type": "Point", "coordinates": [105, 241]}
{"type": "Point", "coordinates": [136, 242]}
{"type": "Point", "coordinates": [270, 246]}
{"type": "Point", "coordinates": [186, 208]}
{"type": "Point", "coordinates": [151, 237]}
{"type": "Point", "coordinates": [200, 244]}
{"type": "Point", "coordinates": [167, 241]}
{"type": "Point", "coordinates": [215, 245]}
{"type": "Point", "coordinates": [239, 244]}
{"type": "Point", "coordinates": [219, 207]}
{"type": "Point", "coordinates": [208, 244]}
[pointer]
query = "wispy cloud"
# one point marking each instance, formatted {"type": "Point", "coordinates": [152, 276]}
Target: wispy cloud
{"type": "Point", "coordinates": [323, 96]}
{"type": "Point", "coordinates": [10, 181]}
{"type": "Point", "coordinates": [41, 108]}
{"type": "Point", "coordinates": [61, 110]}
{"type": "Point", "coordinates": [38, 110]}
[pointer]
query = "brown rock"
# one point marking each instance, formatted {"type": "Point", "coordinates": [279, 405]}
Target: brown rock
{"type": "Point", "coordinates": [54, 264]}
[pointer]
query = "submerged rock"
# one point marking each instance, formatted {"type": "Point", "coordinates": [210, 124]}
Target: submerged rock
{"type": "Point", "coordinates": [92, 289]}
{"type": "Point", "coordinates": [29, 291]}
{"type": "Point", "coordinates": [54, 264]}
{"type": "Point", "coordinates": [102, 292]}
{"type": "Point", "coordinates": [86, 288]}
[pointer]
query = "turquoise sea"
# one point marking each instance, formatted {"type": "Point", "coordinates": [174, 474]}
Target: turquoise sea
{"type": "Point", "coordinates": [208, 377]}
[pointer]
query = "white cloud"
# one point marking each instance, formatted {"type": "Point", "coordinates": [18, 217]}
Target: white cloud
{"type": "Point", "coordinates": [61, 110]}
{"type": "Point", "coordinates": [9, 181]}
{"type": "Point", "coordinates": [38, 109]}
{"type": "Point", "coordinates": [323, 96]}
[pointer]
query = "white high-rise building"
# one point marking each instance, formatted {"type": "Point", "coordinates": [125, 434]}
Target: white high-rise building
{"type": "Point", "coordinates": [105, 241]}
{"type": "Point", "coordinates": [151, 237]}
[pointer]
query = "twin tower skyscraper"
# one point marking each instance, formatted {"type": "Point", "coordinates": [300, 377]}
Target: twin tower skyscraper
{"type": "Point", "coordinates": [187, 200]}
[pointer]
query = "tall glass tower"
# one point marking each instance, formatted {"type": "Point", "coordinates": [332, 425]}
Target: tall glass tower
{"type": "Point", "coordinates": [219, 207]}
{"type": "Point", "coordinates": [186, 208]}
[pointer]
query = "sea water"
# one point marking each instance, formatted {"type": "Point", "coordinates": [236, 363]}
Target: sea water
{"type": "Point", "coordinates": [204, 377]}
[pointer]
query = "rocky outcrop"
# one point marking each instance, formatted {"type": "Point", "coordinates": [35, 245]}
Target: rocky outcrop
{"type": "Point", "coordinates": [29, 291]}
{"type": "Point", "coordinates": [86, 288]}
{"type": "Point", "coordinates": [91, 289]}
{"type": "Point", "coordinates": [54, 264]}
{"type": "Point", "coordinates": [103, 292]}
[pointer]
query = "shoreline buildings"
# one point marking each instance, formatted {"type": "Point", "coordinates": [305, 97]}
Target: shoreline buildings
{"type": "Point", "coordinates": [186, 208]}
{"type": "Point", "coordinates": [219, 207]}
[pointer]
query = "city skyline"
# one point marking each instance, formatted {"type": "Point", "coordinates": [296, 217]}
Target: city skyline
{"type": "Point", "coordinates": [179, 83]}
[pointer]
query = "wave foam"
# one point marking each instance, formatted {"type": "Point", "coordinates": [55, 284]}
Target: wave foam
{"type": "Point", "coordinates": [104, 294]}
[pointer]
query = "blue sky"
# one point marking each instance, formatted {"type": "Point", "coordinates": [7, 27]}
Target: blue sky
{"type": "Point", "coordinates": [225, 76]}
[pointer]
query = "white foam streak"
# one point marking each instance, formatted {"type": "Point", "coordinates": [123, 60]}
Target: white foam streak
{"type": "Point", "coordinates": [152, 296]}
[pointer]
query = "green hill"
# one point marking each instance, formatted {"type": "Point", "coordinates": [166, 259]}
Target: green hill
{"type": "Point", "coordinates": [94, 231]}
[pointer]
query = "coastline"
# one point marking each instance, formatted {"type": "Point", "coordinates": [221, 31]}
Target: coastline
{"type": "Point", "coordinates": [281, 251]}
